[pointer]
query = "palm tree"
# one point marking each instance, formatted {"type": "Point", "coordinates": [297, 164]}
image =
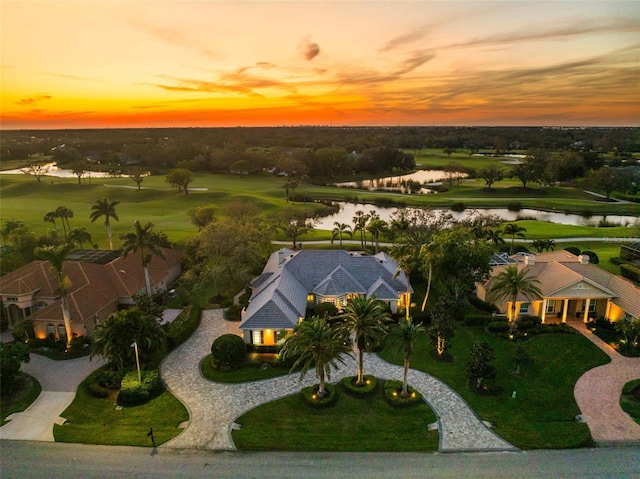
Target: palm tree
{"type": "Point", "coordinates": [56, 256]}
{"type": "Point", "coordinates": [366, 318]}
{"type": "Point", "coordinates": [513, 230]}
{"type": "Point", "coordinates": [105, 208]}
{"type": "Point", "coordinates": [316, 343]}
{"type": "Point", "coordinates": [511, 283]}
{"type": "Point", "coordinates": [549, 244]}
{"type": "Point", "coordinates": [408, 260]}
{"type": "Point", "coordinates": [339, 230]}
{"type": "Point", "coordinates": [360, 224]}
{"type": "Point", "coordinates": [494, 236]}
{"type": "Point", "coordinates": [50, 217]}
{"type": "Point", "coordinates": [64, 214]}
{"type": "Point", "coordinates": [78, 236]}
{"type": "Point", "coordinates": [148, 242]}
{"type": "Point", "coordinates": [376, 226]}
{"type": "Point", "coordinates": [403, 336]}
{"type": "Point", "coordinates": [538, 245]}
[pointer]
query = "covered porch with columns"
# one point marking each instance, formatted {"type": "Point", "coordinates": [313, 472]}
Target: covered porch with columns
{"type": "Point", "coordinates": [574, 309]}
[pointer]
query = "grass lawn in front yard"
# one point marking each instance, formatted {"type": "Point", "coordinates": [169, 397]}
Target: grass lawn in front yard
{"type": "Point", "coordinates": [542, 415]}
{"type": "Point", "coordinates": [249, 372]}
{"type": "Point", "coordinates": [97, 421]}
{"type": "Point", "coordinates": [630, 399]}
{"type": "Point", "coordinates": [352, 425]}
{"type": "Point", "coordinates": [25, 393]}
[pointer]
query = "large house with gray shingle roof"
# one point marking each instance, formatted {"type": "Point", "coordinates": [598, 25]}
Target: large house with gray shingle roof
{"type": "Point", "coordinates": [100, 282]}
{"type": "Point", "coordinates": [572, 288]}
{"type": "Point", "coordinates": [295, 281]}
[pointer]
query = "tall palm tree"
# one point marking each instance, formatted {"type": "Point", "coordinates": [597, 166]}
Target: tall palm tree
{"type": "Point", "coordinates": [148, 242]}
{"type": "Point", "coordinates": [315, 342]}
{"type": "Point", "coordinates": [360, 224]}
{"type": "Point", "coordinates": [366, 318]}
{"type": "Point", "coordinates": [78, 236]}
{"type": "Point", "coordinates": [376, 226]}
{"type": "Point", "coordinates": [408, 260]}
{"type": "Point", "coordinates": [511, 283]}
{"type": "Point", "coordinates": [494, 236]}
{"type": "Point", "coordinates": [403, 336]}
{"type": "Point", "coordinates": [56, 256]}
{"type": "Point", "coordinates": [513, 230]}
{"type": "Point", "coordinates": [105, 208]}
{"type": "Point", "coordinates": [340, 230]}
{"type": "Point", "coordinates": [64, 214]}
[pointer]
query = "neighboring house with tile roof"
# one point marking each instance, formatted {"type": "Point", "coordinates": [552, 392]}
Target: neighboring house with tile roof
{"type": "Point", "coordinates": [295, 281]}
{"type": "Point", "coordinates": [101, 282]}
{"type": "Point", "coordinates": [571, 288]}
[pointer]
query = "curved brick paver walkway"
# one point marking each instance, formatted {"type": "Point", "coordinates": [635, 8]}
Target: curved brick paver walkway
{"type": "Point", "coordinates": [598, 391]}
{"type": "Point", "coordinates": [213, 406]}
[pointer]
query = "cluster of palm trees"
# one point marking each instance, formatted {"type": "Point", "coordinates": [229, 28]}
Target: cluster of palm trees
{"type": "Point", "coordinates": [324, 343]}
{"type": "Point", "coordinates": [371, 223]}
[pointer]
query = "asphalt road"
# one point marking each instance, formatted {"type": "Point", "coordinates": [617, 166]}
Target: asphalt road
{"type": "Point", "coordinates": [21, 459]}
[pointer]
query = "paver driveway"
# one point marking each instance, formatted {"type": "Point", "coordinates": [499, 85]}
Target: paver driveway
{"type": "Point", "coordinates": [213, 406]}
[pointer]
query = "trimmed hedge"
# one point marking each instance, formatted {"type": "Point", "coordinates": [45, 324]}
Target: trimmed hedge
{"type": "Point", "coordinates": [367, 390]}
{"type": "Point", "coordinates": [309, 396]}
{"type": "Point", "coordinates": [617, 261]}
{"type": "Point", "coordinates": [483, 305]}
{"type": "Point", "coordinates": [392, 389]}
{"type": "Point", "coordinates": [476, 319]}
{"type": "Point", "coordinates": [497, 327]}
{"type": "Point", "coordinates": [134, 393]}
{"type": "Point", "coordinates": [630, 271]}
{"type": "Point", "coordinates": [179, 330]}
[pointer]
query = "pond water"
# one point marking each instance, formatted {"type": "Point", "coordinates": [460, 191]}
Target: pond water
{"type": "Point", "coordinates": [57, 172]}
{"type": "Point", "coordinates": [399, 183]}
{"type": "Point", "coordinates": [348, 211]}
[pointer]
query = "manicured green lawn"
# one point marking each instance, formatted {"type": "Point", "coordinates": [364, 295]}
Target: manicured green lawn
{"type": "Point", "coordinates": [21, 399]}
{"type": "Point", "coordinates": [542, 415]}
{"type": "Point", "coordinates": [361, 425]}
{"type": "Point", "coordinates": [630, 399]}
{"type": "Point", "coordinates": [97, 421]}
{"type": "Point", "coordinates": [250, 372]}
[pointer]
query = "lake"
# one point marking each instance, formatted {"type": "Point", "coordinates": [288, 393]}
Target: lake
{"type": "Point", "coordinates": [398, 183]}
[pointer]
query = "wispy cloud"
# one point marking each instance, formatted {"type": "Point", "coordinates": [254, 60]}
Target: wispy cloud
{"type": "Point", "coordinates": [70, 77]}
{"type": "Point", "coordinates": [32, 100]}
{"type": "Point", "coordinates": [406, 38]}
{"type": "Point", "coordinates": [416, 60]}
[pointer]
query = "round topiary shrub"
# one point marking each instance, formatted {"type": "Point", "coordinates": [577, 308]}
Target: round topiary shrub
{"type": "Point", "coordinates": [228, 352]}
{"type": "Point", "coordinates": [593, 257]}
{"type": "Point", "coordinates": [310, 396]}
{"type": "Point", "coordinates": [133, 392]}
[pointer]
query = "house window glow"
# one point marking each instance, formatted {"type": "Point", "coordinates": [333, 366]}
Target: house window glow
{"type": "Point", "coordinates": [592, 305]}
{"type": "Point", "coordinates": [524, 308]}
{"type": "Point", "coordinates": [310, 297]}
{"type": "Point", "coordinates": [551, 306]}
{"type": "Point", "coordinates": [256, 337]}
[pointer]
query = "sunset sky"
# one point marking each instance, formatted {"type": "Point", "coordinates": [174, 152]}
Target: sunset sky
{"type": "Point", "coordinates": [108, 64]}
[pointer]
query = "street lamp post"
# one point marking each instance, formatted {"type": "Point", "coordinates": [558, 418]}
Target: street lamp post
{"type": "Point", "coordinates": [135, 346]}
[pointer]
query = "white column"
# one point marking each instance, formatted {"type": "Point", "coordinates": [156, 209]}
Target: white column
{"type": "Point", "coordinates": [586, 309]}
{"type": "Point", "coordinates": [564, 310]}
{"type": "Point", "coordinates": [606, 313]}
{"type": "Point", "coordinates": [544, 310]}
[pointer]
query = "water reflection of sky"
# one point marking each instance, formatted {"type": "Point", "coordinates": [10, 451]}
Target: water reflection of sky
{"type": "Point", "coordinates": [391, 183]}
{"type": "Point", "coordinates": [61, 172]}
{"type": "Point", "coordinates": [348, 211]}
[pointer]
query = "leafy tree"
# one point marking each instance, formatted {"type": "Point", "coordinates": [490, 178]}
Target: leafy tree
{"type": "Point", "coordinates": [340, 230]}
{"type": "Point", "coordinates": [609, 180]}
{"type": "Point", "coordinates": [510, 283]}
{"type": "Point", "coordinates": [293, 223]}
{"type": "Point", "coordinates": [23, 331]}
{"type": "Point", "coordinates": [513, 230]}
{"type": "Point", "coordinates": [315, 343]}
{"type": "Point", "coordinates": [366, 318]}
{"type": "Point", "coordinates": [443, 326]}
{"type": "Point", "coordinates": [79, 168]}
{"type": "Point", "coordinates": [180, 177]}
{"type": "Point", "coordinates": [520, 358]}
{"type": "Point", "coordinates": [523, 172]}
{"type": "Point", "coordinates": [631, 332]}
{"type": "Point", "coordinates": [202, 216]}
{"type": "Point", "coordinates": [148, 242]}
{"type": "Point", "coordinates": [37, 169]}
{"type": "Point", "coordinates": [105, 208]}
{"type": "Point", "coordinates": [56, 256]}
{"type": "Point", "coordinates": [480, 368]}
{"type": "Point", "coordinates": [491, 174]}
{"type": "Point", "coordinates": [12, 355]}
{"type": "Point", "coordinates": [137, 175]}
{"type": "Point", "coordinates": [403, 337]}
{"type": "Point", "coordinates": [112, 338]}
